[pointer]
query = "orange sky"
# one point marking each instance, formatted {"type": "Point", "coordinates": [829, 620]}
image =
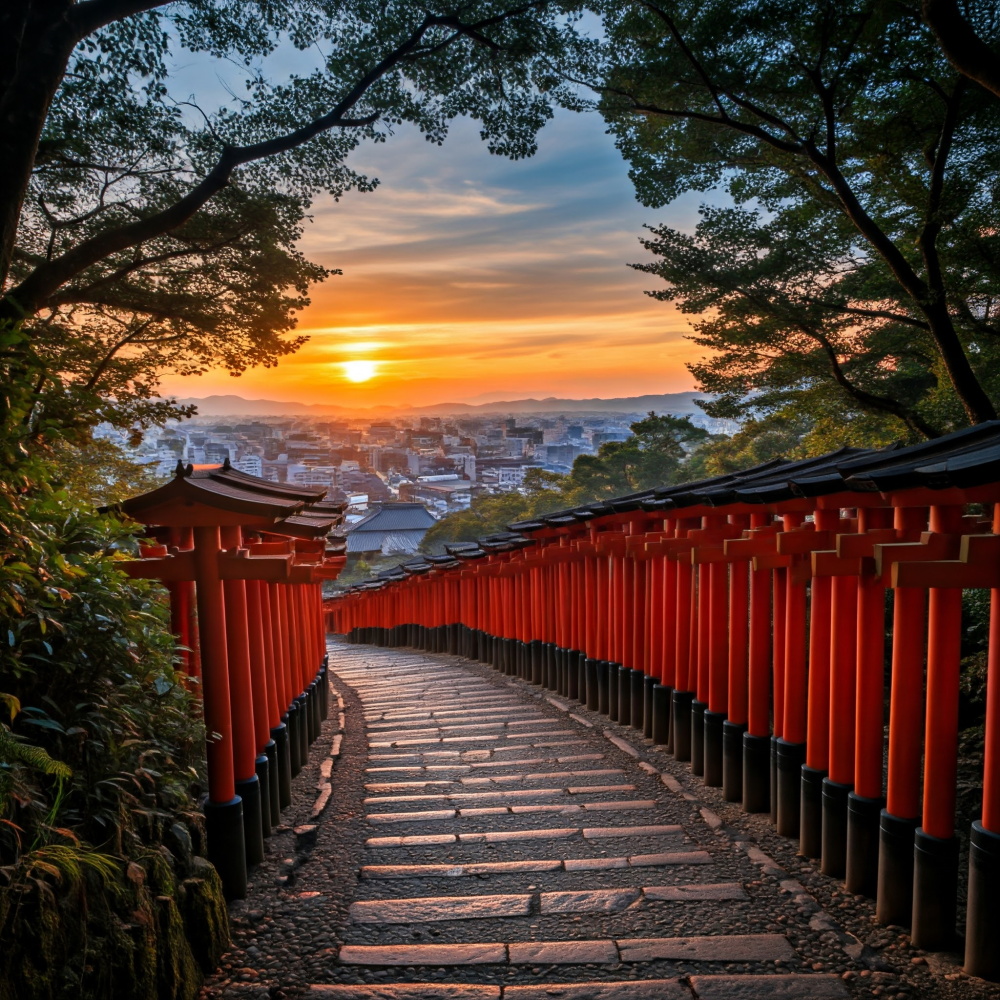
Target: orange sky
{"type": "Point", "coordinates": [468, 278]}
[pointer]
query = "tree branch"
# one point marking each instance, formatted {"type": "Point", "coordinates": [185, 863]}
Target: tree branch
{"type": "Point", "coordinates": [91, 15]}
{"type": "Point", "coordinates": [67, 296]}
{"type": "Point", "coordinates": [643, 108]}
{"type": "Point", "coordinates": [869, 400]}
{"type": "Point", "coordinates": [927, 240]}
{"type": "Point", "coordinates": [102, 367]}
{"type": "Point", "coordinates": [869, 313]}
{"type": "Point", "coordinates": [964, 49]}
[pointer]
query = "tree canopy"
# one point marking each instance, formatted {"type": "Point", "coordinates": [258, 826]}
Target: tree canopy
{"type": "Point", "coordinates": [860, 265]}
{"type": "Point", "coordinates": [144, 230]}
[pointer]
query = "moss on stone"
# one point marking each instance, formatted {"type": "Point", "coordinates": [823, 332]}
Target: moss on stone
{"type": "Point", "coordinates": [144, 936]}
{"type": "Point", "coordinates": [206, 918]}
{"type": "Point", "coordinates": [177, 973]}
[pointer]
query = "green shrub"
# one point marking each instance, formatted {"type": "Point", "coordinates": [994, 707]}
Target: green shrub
{"type": "Point", "coordinates": [101, 738]}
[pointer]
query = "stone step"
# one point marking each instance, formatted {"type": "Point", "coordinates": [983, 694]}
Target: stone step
{"type": "Point", "coordinates": [556, 864]}
{"type": "Point", "coordinates": [522, 717]}
{"type": "Point", "coordinates": [436, 815]}
{"type": "Point", "coordinates": [643, 989]}
{"type": "Point", "coordinates": [504, 779]}
{"type": "Point", "coordinates": [710, 948]}
{"type": "Point", "coordinates": [431, 909]}
{"type": "Point", "coordinates": [552, 833]}
{"type": "Point", "coordinates": [792, 986]}
{"type": "Point", "coordinates": [466, 762]}
{"type": "Point", "coordinates": [494, 794]}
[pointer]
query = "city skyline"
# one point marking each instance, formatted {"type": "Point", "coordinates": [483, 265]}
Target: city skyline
{"type": "Point", "coordinates": [471, 278]}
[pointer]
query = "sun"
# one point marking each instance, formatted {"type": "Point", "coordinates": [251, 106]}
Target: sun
{"type": "Point", "coordinates": [359, 371]}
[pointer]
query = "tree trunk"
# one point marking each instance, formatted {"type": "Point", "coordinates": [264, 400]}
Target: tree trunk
{"type": "Point", "coordinates": [965, 50]}
{"type": "Point", "coordinates": [978, 406]}
{"type": "Point", "coordinates": [36, 42]}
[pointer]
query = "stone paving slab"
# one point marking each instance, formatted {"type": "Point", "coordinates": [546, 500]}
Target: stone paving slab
{"type": "Point", "coordinates": [564, 809]}
{"type": "Point", "coordinates": [423, 954]}
{"type": "Point", "coordinates": [428, 909]}
{"type": "Point", "coordinates": [411, 817]}
{"type": "Point", "coordinates": [408, 991]}
{"type": "Point", "coordinates": [590, 833]}
{"type": "Point", "coordinates": [416, 840]}
{"type": "Point", "coordinates": [452, 871]}
{"type": "Point", "coordinates": [506, 836]}
{"type": "Point", "coordinates": [562, 952]}
{"type": "Point", "coordinates": [632, 804]}
{"type": "Point", "coordinates": [713, 948]}
{"type": "Point", "coordinates": [621, 744]}
{"type": "Point", "coordinates": [511, 779]}
{"type": "Point", "coordinates": [601, 832]}
{"type": "Point", "coordinates": [594, 864]}
{"type": "Point", "coordinates": [547, 733]}
{"type": "Point", "coordinates": [673, 858]}
{"type": "Point", "coordinates": [495, 796]}
{"type": "Point", "coordinates": [788, 987]}
{"type": "Point", "coordinates": [589, 900]}
{"type": "Point", "coordinates": [555, 864]}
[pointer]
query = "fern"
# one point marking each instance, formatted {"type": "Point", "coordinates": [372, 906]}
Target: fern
{"type": "Point", "coordinates": [13, 750]}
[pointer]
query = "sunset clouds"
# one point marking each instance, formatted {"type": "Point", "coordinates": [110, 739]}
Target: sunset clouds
{"type": "Point", "coordinates": [470, 277]}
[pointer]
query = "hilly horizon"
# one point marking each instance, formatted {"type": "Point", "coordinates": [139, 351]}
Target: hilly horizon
{"type": "Point", "coordinates": [233, 405]}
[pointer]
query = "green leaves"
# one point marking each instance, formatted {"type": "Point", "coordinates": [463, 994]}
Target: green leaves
{"type": "Point", "coordinates": [862, 286]}
{"type": "Point", "coordinates": [14, 750]}
{"type": "Point", "coordinates": [653, 456]}
{"type": "Point", "coordinates": [158, 232]}
{"type": "Point", "coordinates": [89, 681]}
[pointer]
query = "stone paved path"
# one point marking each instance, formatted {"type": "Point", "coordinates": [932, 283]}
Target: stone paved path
{"type": "Point", "coordinates": [518, 844]}
{"type": "Point", "coordinates": [480, 838]}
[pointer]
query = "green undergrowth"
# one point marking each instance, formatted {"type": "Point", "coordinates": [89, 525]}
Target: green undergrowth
{"type": "Point", "coordinates": [104, 890]}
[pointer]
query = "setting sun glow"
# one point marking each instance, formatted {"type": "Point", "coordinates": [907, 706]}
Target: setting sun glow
{"type": "Point", "coordinates": [469, 278]}
{"type": "Point", "coordinates": [359, 371]}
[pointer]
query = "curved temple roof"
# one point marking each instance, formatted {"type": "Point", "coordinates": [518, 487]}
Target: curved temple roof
{"type": "Point", "coordinates": [217, 495]}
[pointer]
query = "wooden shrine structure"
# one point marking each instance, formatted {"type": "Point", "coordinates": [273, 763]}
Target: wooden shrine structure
{"type": "Point", "coordinates": [243, 560]}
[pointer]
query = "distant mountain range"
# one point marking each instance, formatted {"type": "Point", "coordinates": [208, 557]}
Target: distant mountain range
{"type": "Point", "coordinates": [236, 406]}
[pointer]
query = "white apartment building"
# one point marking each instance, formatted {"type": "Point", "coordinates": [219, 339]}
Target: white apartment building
{"type": "Point", "coordinates": [252, 465]}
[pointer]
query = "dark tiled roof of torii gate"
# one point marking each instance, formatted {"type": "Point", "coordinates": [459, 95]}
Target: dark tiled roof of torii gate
{"type": "Point", "coordinates": [965, 459]}
{"type": "Point", "coordinates": [293, 509]}
{"type": "Point", "coordinates": [770, 486]}
{"type": "Point", "coordinates": [190, 487]}
{"type": "Point", "coordinates": [652, 501]}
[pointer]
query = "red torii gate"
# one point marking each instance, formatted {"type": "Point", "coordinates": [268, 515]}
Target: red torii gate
{"type": "Point", "coordinates": [254, 555]}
